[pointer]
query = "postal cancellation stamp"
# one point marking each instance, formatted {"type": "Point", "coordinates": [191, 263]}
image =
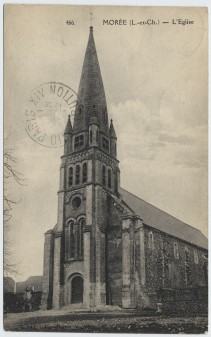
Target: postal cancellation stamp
{"type": "Point", "coordinates": [48, 106]}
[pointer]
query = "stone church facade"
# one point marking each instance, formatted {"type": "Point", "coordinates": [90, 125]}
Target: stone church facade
{"type": "Point", "coordinates": [109, 246]}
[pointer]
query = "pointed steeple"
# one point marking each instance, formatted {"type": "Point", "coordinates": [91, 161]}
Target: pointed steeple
{"type": "Point", "coordinates": [91, 94]}
{"type": "Point", "coordinates": [68, 129]}
{"type": "Point", "coordinates": [93, 117]}
{"type": "Point", "coordinates": [112, 131]}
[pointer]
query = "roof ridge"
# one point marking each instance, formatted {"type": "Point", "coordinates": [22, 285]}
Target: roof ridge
{"type": "Point", "coordinates": [163, 211]}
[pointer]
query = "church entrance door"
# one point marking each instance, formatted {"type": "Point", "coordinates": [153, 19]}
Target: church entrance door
{"type": "Point", "coordinates": [77, 286]}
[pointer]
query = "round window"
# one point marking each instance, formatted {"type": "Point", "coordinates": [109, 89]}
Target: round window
{"type": "Point", "coordinates": [76, 202]}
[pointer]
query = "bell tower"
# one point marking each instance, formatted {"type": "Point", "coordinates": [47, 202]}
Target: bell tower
{"type": "Point", "coordinates": [89, 173]}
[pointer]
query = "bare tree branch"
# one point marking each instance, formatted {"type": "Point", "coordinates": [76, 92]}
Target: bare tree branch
{"type": "Point", "coordinates": [11, 175]}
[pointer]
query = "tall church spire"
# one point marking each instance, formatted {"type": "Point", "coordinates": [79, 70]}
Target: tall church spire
{"type": "Point", "coordinates": [91, 94]}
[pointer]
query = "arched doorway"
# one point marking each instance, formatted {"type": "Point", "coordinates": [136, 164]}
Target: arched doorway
{"type": "Point", "coordinates": [77, 287]}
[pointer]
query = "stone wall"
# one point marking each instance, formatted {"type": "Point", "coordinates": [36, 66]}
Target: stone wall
{"type": "Point", "coordinates": [183, 301]}
{"type": "Point", "coordinates": [99, 219]}
{"type": "Point", "coordinates": [47, 287]}
{"type": "Point", "coordinates": [171, 263]}
{"type": "Point", "coordinates": [114, 256]}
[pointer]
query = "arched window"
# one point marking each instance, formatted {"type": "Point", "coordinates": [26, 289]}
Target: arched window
{"type": "Point", "coordinates": [70, 177]}
{"type": "Point", "coordinates": [81, 238]}
{"type": "Point", "coordinates": [67, 241]}
{"type": "Point", "coordinates": [90, 136]}
{"type": "Point", "coordinates": [109, 178]}
{"type": "Point", "coordinates": [80, 109]}
{"type": "Point", "coordinates": [72, 241]}
{"type": "Point", "coordinates": [79, 141]}
{"type": "Point", "coordinates": [77, 175]}
{"type": "Point", "coordinates": [187, 267]}
{"type": "Point", "coordinates": [84, 172]}
{"type": "Point", "coordinates": [176, 251]}
{"type": "Point", "coordinates": [103, 175]}
{"type": "Point", "coordinates": [150, 240]}
{"type": "Point", "coordinates": [196, 257]}
{"type": "Point", "coordinates": [105, 143]}
{"type": "Point", "coordinates": [97, 135]}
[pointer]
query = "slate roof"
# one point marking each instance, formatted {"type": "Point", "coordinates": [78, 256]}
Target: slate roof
{"type": "Point", "coordinates": [32, 281]}
{"type": "Point", "coordinates": [112, 132]}
{"type": "Point", "coordinates": [162, 221]}
{"type": "Point", "coordinates": [68, 129]}
{"type": "Point", "coordinates": [91, 93]}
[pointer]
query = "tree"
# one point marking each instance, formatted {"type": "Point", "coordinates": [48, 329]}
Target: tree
{"type": "Point", "coordinates": [11, 178]}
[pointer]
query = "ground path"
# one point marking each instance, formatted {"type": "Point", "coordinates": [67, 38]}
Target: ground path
{"type": "Point", "coordinates": [103, 321]}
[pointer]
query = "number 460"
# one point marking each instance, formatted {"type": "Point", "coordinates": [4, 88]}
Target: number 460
{"type": "Point", "coordinates": [70, 22]}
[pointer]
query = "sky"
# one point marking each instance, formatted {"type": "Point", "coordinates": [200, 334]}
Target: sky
{"type": "Point", "coordinates": [155, 79]}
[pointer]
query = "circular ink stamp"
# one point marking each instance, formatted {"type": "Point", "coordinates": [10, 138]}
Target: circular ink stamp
{"type": "Point", "coordinates": [48, 108]}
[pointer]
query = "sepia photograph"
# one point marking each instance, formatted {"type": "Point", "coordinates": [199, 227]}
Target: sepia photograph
{"type": "Point", "coordinates": [105, 169]}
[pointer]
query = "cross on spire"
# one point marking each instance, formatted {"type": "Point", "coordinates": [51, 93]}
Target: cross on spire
{"type": "Point", "coordinates": [91, 18]}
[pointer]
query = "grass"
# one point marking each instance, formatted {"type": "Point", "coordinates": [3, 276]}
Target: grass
{"type": "Point", "coordinates": [119, 322]}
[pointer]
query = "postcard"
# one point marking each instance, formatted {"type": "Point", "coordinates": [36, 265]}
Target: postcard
{"type": "Point", "coordinates": [105, 169]}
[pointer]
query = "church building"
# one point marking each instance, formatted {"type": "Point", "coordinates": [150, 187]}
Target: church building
{"type": "Point", "coordinates": [109, 247]}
